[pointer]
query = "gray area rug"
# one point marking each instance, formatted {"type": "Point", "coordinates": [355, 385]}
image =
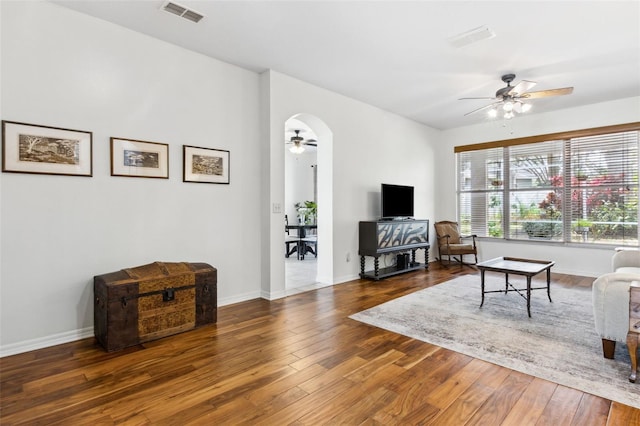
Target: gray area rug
{"type": "Point", "coordinates": [558, 343]}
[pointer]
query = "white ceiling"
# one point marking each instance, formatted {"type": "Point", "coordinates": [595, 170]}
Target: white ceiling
{"type": "Point", "coordinates": [396, 55]}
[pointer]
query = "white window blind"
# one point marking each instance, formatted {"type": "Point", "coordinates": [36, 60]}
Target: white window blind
{"type": "Point", "coordinates": [602, 182]}
{"type": "Point", "coordinates": [480, 180]}
{"type": "Point", "coordinates": [536, 190]}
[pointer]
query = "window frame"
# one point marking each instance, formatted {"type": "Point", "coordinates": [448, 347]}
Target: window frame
{"type": "Point", "coordinates": [566, 138]}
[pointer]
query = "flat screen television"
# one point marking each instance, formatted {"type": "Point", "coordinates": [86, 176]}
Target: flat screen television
{"type": "Point", "coordinates": [397, 201]}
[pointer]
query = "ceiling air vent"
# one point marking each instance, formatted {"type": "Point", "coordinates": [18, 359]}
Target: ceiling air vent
{"type": "Point", "coordinates": [182, 11]}
{"type": "Point", "coordinates": [473, 36]}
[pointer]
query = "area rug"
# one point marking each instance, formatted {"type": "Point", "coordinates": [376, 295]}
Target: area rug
{"type": "Point", "coordinates": [558, 343]}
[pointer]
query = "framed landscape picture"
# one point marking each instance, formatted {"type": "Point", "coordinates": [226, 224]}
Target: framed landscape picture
{"type": "Point", "coordinates": [31, 148]}
{"type": "Point", "coordinates": [205, 165]}
{"type": "Point", "coordinates": [139, 158]}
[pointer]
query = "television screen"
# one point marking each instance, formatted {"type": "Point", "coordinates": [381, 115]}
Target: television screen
{"type": "Point", "coordinates": [397, 201]}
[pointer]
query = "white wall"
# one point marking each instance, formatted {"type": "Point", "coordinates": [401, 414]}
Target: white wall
{"type": "Point", "coordinates": [574, 259]}
{"type": "Point", "coordinates": [298, 180]}
{"type": "Point", "coordinates": [370, 146]}
{"type": "Point", "coordinates": [62, 68]}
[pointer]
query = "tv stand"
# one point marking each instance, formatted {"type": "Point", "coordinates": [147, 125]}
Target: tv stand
{"type": "Point", "coordinates": [392, 237]}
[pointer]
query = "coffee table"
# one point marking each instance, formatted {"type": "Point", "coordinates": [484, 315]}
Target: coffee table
{"type": "Point", "coordinates": [516, 266]}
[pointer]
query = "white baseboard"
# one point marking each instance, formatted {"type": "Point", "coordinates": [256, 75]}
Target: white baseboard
{"type": "Point", "coordinates": [346, 278]}
{"type": "Point", "coordinates": [45, 342]}
{"type": "Point", "coordinates": [239, 298]}
{"type": "Point", "coordinates": [73, 335]}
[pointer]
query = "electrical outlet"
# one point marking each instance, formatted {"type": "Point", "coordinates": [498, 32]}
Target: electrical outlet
{"type": "Point", "coordinates": [277, 208]}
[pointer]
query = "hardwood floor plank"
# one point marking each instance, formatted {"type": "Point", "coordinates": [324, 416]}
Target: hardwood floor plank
{"type": "Point", "coordinates": [500, 403]}
{"type": "Point", "coordinates": [592, 411]}
{"type": "Point", "coordinates": [531, 404]}
{"type": "Point", "coordinates": [296, 360]}
{"type": "Point", "coordinates": [445, 394]}
{"type": "Point", "coordinates": [463, 408]}
{"type": "Point", "coordinates": [621, 414]}
{"type": "Point", "coordinates": [561, 407]}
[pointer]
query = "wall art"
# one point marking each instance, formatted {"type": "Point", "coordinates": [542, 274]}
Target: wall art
{"type": "Point", "coordinates": [205, 165]}
{"type": "Point", "coordinates": [135, 158]}
{"type": "Point", "coordinates": [31, 148]}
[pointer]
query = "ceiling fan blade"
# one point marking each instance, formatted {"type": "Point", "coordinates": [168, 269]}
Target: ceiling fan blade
{"type": "Point", "coordinates": [521, 87]}
{"type": "Point", "coordinates": [547, 93]}
{"type": "Point", "coordinates": [482, 108]}
{"type": "Point", "coordinates": [462, 99]}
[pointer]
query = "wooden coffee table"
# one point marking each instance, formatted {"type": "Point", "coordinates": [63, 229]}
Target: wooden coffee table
{"type": "Point", "coordinates": [516, 266]}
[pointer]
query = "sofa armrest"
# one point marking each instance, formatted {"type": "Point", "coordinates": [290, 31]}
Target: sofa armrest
{"type": "Point", "coordinates": [626, 258]}
{"type": "Point", "coordinates": [610, 294]}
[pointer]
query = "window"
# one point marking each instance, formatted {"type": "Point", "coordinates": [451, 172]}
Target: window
{"type": "Point", "coordinates": [579, 187]}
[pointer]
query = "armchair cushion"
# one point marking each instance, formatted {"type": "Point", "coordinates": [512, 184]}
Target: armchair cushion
{"type": "Point", "coordinates": [457, 249]}
{"type": "Point", "coordinates": [628, 270]}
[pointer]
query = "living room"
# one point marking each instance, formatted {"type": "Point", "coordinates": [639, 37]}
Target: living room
{"type": "Point", "coordinates": [128, 219]}
{"type": "Point", "coordinates": [63, 68]}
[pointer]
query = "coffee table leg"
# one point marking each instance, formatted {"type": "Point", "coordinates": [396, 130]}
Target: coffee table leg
{"type": "Point", "coordinates": [549, 284]}
{"type": "Point", "coordinates": [506, 282]}
{"type": "Point", "coordinates": [482, 286]}
{"type": "Point", "coordinates": [529, 295]}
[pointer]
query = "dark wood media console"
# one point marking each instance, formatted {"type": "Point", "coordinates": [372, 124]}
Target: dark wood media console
{"type": "Point", "coordinates": [392, 237]}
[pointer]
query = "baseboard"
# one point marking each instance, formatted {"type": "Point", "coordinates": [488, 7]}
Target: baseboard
{"type": "Point", "coordinates": [239, 298]}
{"type": "Point", "coordinates": [73, 335]}
{"type": "Point", "coordinates": [45, 342]}
{"type": "Point", "coordinates": [273, 295]}
{"type": "Point", "coordinates": [573, 272]}
{"type": "Point", "coordinates": [346, 278]}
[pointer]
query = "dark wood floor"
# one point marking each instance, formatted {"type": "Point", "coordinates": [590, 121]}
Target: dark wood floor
{"type": "Point", "coordinates": [298, 360]}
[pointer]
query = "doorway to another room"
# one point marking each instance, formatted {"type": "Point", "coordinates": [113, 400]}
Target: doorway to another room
{"type": "Point", "coordinates": [301, 206]}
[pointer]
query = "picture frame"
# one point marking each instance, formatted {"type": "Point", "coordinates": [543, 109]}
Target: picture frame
{"type": "Point", "coordinates": [205, 165]}
{"type": "Point", "coordinates": [48, 150]}
{"type": "Point", "coordinates": [135, 158]}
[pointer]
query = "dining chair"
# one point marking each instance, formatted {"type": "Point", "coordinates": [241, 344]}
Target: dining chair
{"type": "Point", "coordinates": [310, 242]}
{"type": "Point", "coordinates": [289, 239]}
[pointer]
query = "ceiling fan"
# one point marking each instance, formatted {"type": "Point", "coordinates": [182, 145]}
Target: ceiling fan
{"type": "Point", "coordinates": [298, 143]}
{"type": "Point", "coordinates": [511, 99]}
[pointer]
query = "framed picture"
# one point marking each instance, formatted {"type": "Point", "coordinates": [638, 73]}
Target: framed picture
{"type": "Point", "coordinates": [205, 165]}
{"type": "Point", "coordinates": [139, 158]}
{"type": "Point", "coordinates": [30, 148]}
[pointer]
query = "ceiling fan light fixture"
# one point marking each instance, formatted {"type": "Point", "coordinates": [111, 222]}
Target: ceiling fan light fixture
{"type": "Point", "coordinates": [510, 100]}
{"type": "Point", "coordinates": [296, 148]}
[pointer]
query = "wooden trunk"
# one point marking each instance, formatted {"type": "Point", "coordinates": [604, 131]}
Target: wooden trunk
{"type": "Point", "coordinates": [148, 302]}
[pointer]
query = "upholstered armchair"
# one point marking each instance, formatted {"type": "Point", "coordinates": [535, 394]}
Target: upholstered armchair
{"type": "Point", "coordinates": [611, 299]}
{"type": "Point", "coordinates": [451, 243]}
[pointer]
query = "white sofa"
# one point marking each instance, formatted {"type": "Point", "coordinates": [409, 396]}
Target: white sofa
{"type": "Point", "coordinates": [611, 299]}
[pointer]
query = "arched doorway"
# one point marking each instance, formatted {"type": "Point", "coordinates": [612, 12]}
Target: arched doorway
{"type": "Point", "coordinates": [308, 177]}
{"type": "Point", "coordinates": [300, 204]}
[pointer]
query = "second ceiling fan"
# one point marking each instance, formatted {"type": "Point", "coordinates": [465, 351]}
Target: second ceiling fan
{"type": "Point", "coordinates": [298, 143]}
{"type": "Point", "coordinates": [511, 99]}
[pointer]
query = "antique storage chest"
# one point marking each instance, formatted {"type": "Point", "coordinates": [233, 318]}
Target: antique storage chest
{"type": "Point", "coordinates": [145, 303]}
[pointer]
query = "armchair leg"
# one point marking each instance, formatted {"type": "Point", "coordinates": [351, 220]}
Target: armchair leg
{"type": "Point", "coordinates": [608, 348]}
